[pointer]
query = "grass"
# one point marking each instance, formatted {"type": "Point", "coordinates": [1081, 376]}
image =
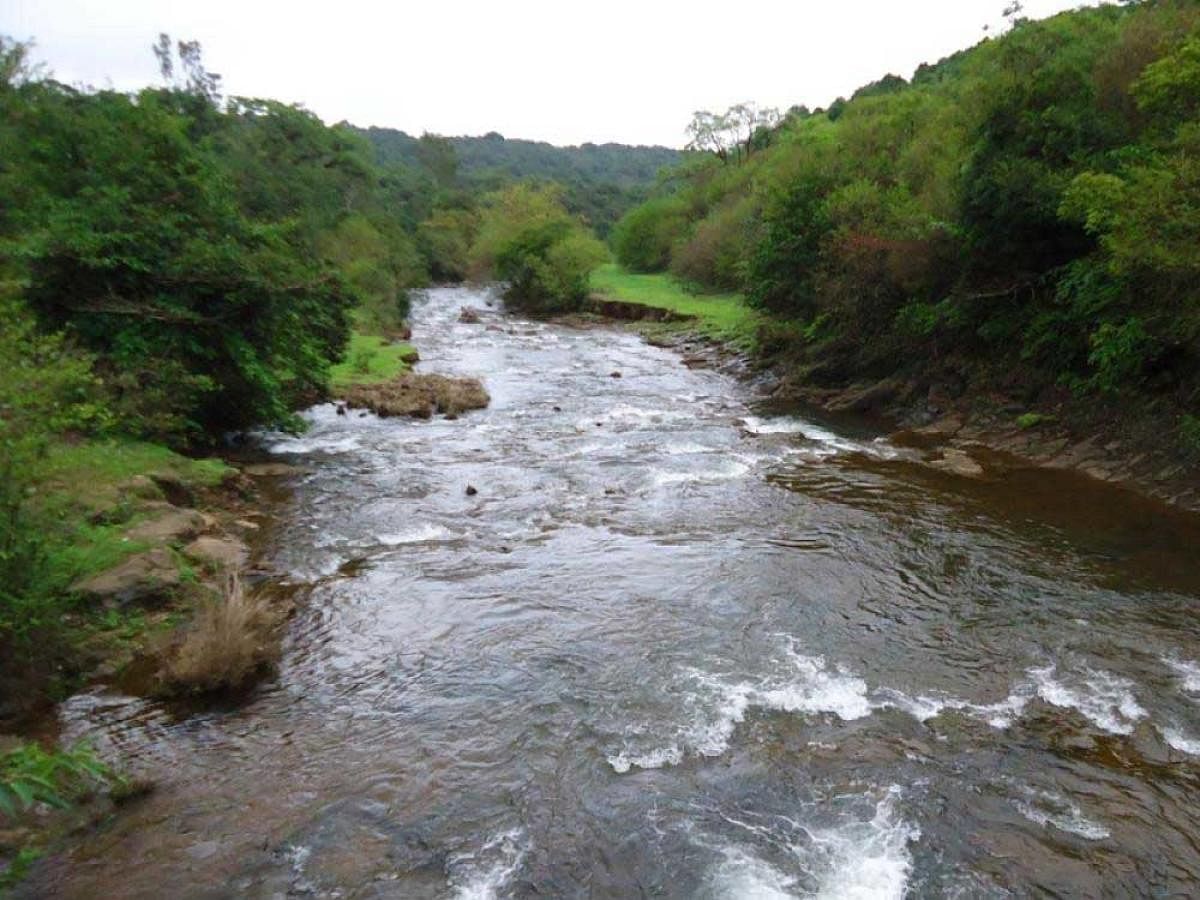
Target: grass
{"type": "Point", "coordinates": [84, 496]}
{"type": "Point", "coordinates": [370, 359]}
{"type": "Point", "coordinates": [722, 316]}
{"type": "Point", "coordinates": [1030, 420]}
{"type": "Point", "coordinates": [91, 476]}
{"type": "Point", "coordinates": [227, 643]}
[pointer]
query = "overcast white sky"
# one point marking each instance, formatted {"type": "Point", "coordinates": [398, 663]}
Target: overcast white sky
{"type": "Point", "coordinates": [560, 71]}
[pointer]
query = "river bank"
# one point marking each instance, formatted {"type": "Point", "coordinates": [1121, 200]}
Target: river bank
{"type": "Point", "coordinates": [968, 427]}
{"type": "Point", "coordinates": [166, 592]}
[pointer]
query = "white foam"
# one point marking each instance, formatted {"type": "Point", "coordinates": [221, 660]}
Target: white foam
{"type": "Point", "coordinates": [480, 875]}
{"type": "Point", "coordinates": [743, 876]}
{"type": "Point", "coordinates": [686, 449]}
{"type": "Point", "coordinates": [867, 860]}
{"type": "Point", "coordinates": [730, 470]}
{"type": "Point", "coordinates": [807, 686]}
{"type": "Point", "coordinates": [655, 759]}
{"type": "Point", "coordinates": [1180, 741]}
{"type": "Point", "coordinates": [1048, 808]}
{"type": "Point", "coordinates": [337, 442]}
{"type": "Point", "coordinates": [1104, 699]}
{"type": "Point", "coordinates": [784, 425]}
{"type": "Point", "coordinates": [421, 534]}
{"type": "Point", "coordinates": [1188, 672]}
{"type": "Point", "coordinates": [817, 689]}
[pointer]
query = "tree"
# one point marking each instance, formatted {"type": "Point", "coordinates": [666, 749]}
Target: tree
{"type": "Point", "coordinates": [733, 134]}
{"type": "Point", "coordinates": [196, 78]}
{"type": "Point", "coordinates": [528, 240]}
{"type": "Point", "coordinates": [439, 158]}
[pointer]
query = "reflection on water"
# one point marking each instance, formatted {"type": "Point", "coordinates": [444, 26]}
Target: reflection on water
{"type": "Point", "coordinates": [677, 646]}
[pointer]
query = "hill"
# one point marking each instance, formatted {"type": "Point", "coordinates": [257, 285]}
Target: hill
{"type": "Point", "coordinates": [601, 181]}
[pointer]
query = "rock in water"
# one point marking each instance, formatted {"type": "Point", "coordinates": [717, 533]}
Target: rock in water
{"type": "Point", "coordinates": [472, 490]}
{"type": "Point", "coordinates": [420, 396]}
{"type": "Point", "coordinates": [469, 315]}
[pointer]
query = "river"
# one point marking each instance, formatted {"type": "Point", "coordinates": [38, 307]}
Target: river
{"type": "Point", "coordinates": [677, 645]}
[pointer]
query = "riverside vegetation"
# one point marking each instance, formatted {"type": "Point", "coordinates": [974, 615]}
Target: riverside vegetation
{"type": "Point", "coordinates": [177, 266]}
{"type": "Point", "coordinates": [1019, 219]}
{"type": "Point", "coordinates": [1013, 232]}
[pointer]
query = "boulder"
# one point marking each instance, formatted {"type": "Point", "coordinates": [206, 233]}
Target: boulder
{"type": "Point", "coordinates": [218, 552]}
{"type": "Point", "coordinates": [469, 315]}
{"type": "Point", "coordinates": [866, 398]}
{"type": "Point", "coordinates": [146, 577]}
{"type": "Point", "coordinates": [173, 526]}
{"type": "Point", "coordinates": [958, 462]}
{"type": "Point", "coordinates": [410, 357]}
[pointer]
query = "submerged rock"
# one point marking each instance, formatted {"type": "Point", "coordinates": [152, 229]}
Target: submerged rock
{"type": "Point", "coordinates": [958, 462]}
{"type": "Point", "coordinates": [420, 396]}
{"type": "Point", "coordinates": [469, 315]}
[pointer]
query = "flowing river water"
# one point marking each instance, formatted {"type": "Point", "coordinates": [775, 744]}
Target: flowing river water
{"type": "Point", "coordinates": [675, 646]}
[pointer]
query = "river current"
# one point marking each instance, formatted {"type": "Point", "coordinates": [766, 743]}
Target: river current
{"type": "Point", "coordinates": [677, 645]}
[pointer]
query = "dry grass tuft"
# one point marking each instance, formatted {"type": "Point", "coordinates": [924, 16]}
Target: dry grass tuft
{"type": "Point", "coordinates": [231, 640]}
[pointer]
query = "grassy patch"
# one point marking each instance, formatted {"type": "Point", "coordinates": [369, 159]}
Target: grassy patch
{"type": "Point", "coordinates": [85, 502]}
{"type": "Point", "coordinates": [90, 476]}
{"type": "Point", "coordinates": [370, 359]}
{"type": "Point", "coordinates": [723, 316]}
{"type": "Point", "coordinates": [1033, 420]}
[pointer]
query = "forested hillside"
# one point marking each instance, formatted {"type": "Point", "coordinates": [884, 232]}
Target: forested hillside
{"type": "Point", "coordinates": [1023, 216]}
{"type": "Point", "coordinates": [601, 180]}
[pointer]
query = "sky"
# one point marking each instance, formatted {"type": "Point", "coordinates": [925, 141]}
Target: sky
{"type": "Point", "coordinates": [566, 72]}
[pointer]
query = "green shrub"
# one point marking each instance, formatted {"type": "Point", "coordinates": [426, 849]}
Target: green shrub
{"type": "Point", "coordinates": [528, 240]}
{"type": "Point", "coordinates": [1118, 354]}
{"type": "Point", "coordinates": [1029, 420]}
{"type": "Point", "coordinates": [30, 775]}
{"type": "Point", "coordinates": [642, 239]}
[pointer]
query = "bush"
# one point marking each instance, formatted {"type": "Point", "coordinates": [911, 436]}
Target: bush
{"type": "Point", "coordinates": [527, 239]}
{"type": "Point", "coordinates": [445, 239]}
{"type": "Point", "coordinates": [30, 775]}
{"type": "Point", "coordinates": [47, 389]}
{"type": "Point", "coordinates": [642, 239]}
{"type": "Point", "coordinates": [783, 267]}
{"type": "Point", "coordinates": [711, 257]}
{"type": "Point", "coordinates": [378, 268]}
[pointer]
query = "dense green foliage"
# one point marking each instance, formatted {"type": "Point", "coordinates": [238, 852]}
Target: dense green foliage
{"type": "Point", "coordinates": [208, 255]}
{"type": "Point", "coordinates": [172, 266]}
{"type": "Point", "coordinates": [1028, 207]}
{"type": "Point", "coordinates": [599, 181]}
{"type": "Point", "coordinates": [544, 254]}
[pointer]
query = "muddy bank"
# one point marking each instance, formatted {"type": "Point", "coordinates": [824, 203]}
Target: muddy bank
{"type": "Point", "coordinates": [1122, 450]}
{"type": "Point", "coordinates": [967, 432]}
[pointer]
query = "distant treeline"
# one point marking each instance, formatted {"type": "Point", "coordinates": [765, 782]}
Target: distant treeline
{"type": "Point", "coordinates": [600, 181]}
{"type": "Point", "coordinates": [1024, 214]}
